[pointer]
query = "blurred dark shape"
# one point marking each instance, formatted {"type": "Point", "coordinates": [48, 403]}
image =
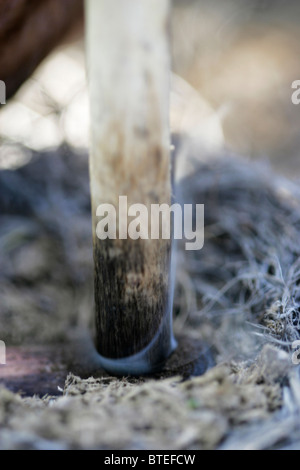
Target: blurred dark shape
{"type": "Point", "coordinates": [29, 30]}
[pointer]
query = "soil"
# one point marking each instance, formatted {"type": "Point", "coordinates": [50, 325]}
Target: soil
{"type": "Point", "coordinates": [236, 314]}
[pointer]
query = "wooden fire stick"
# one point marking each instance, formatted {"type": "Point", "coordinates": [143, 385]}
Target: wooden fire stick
{"type": "Point", "coordinates": [128, 69]}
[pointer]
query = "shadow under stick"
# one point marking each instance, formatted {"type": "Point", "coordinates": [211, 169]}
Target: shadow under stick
{"type": "Point", "coordinates": [128, 70]}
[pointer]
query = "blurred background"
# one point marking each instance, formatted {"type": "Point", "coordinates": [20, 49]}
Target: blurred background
{"type": "Point", "coordinates": [240, 56]}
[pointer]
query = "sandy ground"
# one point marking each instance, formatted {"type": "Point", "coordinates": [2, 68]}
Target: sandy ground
{"type": "Point", "coordinates": [236, 316]}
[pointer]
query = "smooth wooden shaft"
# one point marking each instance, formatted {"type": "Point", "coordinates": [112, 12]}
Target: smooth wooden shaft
{"type": "Point", "coordinates": [128, 68]}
